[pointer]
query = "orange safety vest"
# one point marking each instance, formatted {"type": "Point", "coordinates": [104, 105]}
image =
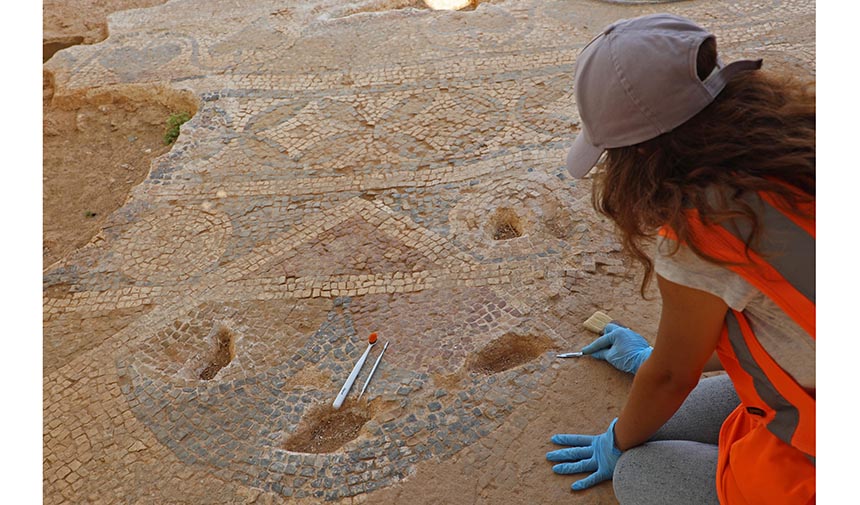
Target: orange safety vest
{"type": "Point", "coordinates": [767, 445]}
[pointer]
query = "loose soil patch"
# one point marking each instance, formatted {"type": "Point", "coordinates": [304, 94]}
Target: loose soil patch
{"type": "Point", "coordinates": [327, 430]}
{"type": "Point", "coordinates": [508, 351]}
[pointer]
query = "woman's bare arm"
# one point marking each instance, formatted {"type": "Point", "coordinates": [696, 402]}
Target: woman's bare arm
{"type": "Point", "coordinates": [690, 326]}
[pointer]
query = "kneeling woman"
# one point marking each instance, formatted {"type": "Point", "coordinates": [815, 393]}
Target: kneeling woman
{"type": "Point", "coordinates": [716, 164]}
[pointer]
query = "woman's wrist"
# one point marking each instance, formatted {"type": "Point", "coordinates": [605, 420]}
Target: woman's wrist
{"type": "Point", "coordinates": [620, 443]}
{"type": "Point", "coordinates": [615, 447]}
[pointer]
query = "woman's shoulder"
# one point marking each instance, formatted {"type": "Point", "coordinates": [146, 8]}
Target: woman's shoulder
{"type": "Point", "coordinates": [679, 264]}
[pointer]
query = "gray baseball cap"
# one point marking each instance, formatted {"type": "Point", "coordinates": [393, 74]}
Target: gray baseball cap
{"type": "Point", "coordinates": [637, 80]}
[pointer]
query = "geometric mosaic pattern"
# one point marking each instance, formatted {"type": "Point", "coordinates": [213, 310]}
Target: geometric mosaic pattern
{"type": "Point", "coordinates": [352, 167]}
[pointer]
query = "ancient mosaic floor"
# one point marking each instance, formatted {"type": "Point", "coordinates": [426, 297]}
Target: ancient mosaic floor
{"type": "Point", "coordinates": [351, 168]}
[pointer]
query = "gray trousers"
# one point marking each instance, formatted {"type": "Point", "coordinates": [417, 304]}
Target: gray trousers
{"type": "Point", "coordinates": [678, 465]}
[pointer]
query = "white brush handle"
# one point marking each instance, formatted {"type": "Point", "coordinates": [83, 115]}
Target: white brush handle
{"type": "Point", "coordinates": [351, 379]}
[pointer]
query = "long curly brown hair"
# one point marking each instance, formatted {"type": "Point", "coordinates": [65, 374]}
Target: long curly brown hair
{"type": "Point", "coordinates": [757, 135]}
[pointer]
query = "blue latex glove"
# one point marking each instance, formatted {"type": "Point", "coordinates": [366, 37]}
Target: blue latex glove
{"type": "Point", "coordinates": [622, 347]}
{"type": "Point", "coordinates": [589, 453]}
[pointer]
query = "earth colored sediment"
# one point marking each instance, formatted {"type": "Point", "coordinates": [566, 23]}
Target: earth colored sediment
{"type": "Point", "coordinates": [351, 167]}
{"type": "Point", "coordinates": [70, 22]}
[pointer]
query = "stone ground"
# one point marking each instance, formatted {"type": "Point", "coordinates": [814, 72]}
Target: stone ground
{"type": "Point", "coordinates": [96, 146]}
{"type": "Point", "coordinates": [350, 168]}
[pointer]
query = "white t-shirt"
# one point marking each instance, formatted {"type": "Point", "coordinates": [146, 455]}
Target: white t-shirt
{"type": "Point", "coordinates": [791, 346]}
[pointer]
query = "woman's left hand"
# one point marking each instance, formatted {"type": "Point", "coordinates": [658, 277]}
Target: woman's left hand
{"type": "Point", "coordinates": [588, 453]}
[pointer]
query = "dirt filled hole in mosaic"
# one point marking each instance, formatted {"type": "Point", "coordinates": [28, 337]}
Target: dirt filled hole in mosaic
{"type": "Point", "coordinates": [509, 351]}
{"type": "Point", "coordinates": [327, 429]}
{"type": "Point", "coordinates": [505, 224]}
{"type": "Point", "coordinates": [223, 353]}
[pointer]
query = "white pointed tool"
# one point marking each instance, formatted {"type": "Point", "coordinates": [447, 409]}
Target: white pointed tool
{"type": "Point", "coordinates": [352, 375]}
{"type": "Point", "coordinates": [569, 355]}
{"type": "Point", "coordinates": [373, 369]}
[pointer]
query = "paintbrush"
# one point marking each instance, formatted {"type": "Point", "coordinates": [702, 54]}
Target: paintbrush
{"type": "Point", "coordinates": [338, 401]}
{"type": "Point", "coordinates": [596, 323]}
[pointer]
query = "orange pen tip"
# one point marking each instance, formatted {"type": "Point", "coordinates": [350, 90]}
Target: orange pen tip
{"type": "Point", "coordinates": [372, 338]}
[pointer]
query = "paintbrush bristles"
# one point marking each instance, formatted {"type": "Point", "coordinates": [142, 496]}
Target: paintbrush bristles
{"type": "Point", "coordinates": [597, 322]}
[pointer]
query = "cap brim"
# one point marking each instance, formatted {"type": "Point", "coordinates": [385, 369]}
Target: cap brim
{"type": "Point", "coordinates": [582, 156]}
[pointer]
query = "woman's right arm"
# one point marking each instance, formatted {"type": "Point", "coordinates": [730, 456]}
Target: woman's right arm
{"type": "Point", "coordinates": [690, 325]}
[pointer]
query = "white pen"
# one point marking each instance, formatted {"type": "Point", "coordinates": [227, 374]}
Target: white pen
{"type": "Point", "coordinates": [373, 369]}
